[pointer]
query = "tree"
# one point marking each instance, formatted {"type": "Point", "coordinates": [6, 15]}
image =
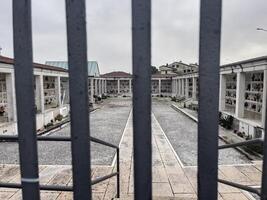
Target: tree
{"type": "Point", "coordinates": [154, 70]}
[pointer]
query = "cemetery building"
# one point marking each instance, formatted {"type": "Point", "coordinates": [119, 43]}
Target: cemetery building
{"type": "Point", "coordinates": [51, 95]}
{"type": "Point", "coordinates": [178, 68]}
{"type": "Point", "coordinates": [118, 83]}
{"type": "Point", "coordinates": [161, 84]}
{"type": "Point", "coordinates": [51, 84]}
{"type": "Point", "coordinates": [243, 88]}
{"type": "Point", "coordinates": [96, 84]}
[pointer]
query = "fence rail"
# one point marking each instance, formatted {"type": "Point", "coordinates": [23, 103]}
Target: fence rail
{"type": "Point", "coordinates": [12, 138]}
{"type": "Point", "coordinates": [208, 115]}
{"type": "Point", "coordinates": [23, 66]}
{"type": "Point", "coordinates": [141, 44]}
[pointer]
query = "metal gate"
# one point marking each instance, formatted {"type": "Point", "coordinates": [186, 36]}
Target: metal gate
{"type": "Point", "coordinates": [209, 60]}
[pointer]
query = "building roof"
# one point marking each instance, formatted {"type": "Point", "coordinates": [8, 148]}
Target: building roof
{"type": "Point", "coordinates": [245, 61]}
{"type": "Point", "coordinates": [93, 69]}
{"type": "Point", "coordinates": [10, 61]}
{"type": "Point", "coordinates": [117, 74]}
{"type": "Point", "coordinates": [158, 75]}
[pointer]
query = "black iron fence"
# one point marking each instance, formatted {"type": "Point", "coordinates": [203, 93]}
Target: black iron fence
{"type": "Point", "coordinates": [12, 138]}
{"type": "Point", "coordinates": [80, 132]}
{"type": "Point", "coordinates": [209, 60]}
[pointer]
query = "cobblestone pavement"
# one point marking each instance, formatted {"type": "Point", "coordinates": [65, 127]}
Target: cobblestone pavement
{"type": "Point", "coordinates": [106, 123]}
{"type": "Point", "coordinates": [182, 133]}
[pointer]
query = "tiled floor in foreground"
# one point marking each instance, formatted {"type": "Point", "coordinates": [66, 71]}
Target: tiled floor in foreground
{"type": "Point", "coordinates": [170, 179]}
{"type": "Point", "coordinates": [50, 175]}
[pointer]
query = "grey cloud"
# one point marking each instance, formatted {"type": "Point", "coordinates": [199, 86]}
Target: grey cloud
{"type": "Point", "coordinates": [175, 25]}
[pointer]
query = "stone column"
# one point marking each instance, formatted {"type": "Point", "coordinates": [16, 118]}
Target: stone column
{"type": "Point", "coordinates": [118, 82]}
{"type": "Point", "coordinates": [39, 92]}
{"type": "Point", "coordinates": [58, 91]}
{"type": "Point", "coordinates": [240, 94]}
{"type": "Point", "coordinates": [100, 87]}
{"type": "Point", "coordinates": [11, 100]}
{"type": "Point", "coordinates": [130, 86]}
{"type": "Point", "coordinates": [95, 90]}
{"type": "Point", "coordinates": [92, 90]}
{"type": "Point", "coordinates": [177, 87]}
{"type": "Point", "coordinates": [264, 99]}
{"type": "Point", "coordinates": [105, 86]}
{"type": "Point", "coordinates": [222, 92]}
{"type": "Point", "coordinates": [186, 88]}
{"type": "Point", "coordinates": [172, 87]}
{"type": "Point", "coordinates": [182, 85]}
{"type": "Point", "coordinates": [194, 89]}
{"type": "Point", "coordinates": [159, 86]}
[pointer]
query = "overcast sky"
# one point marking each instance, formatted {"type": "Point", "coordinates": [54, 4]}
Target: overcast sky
{"type": "Point", "coordinates": [175, 25]}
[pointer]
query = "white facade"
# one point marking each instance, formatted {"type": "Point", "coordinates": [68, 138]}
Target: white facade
{"type": "Point", "coordinates": [51, 89]}
{"type": "Point", "coordinates": [243, 93]}
{"type": "Point", "coordinates": [243, 88]}
{"type": "Point", "coordinates": [160, 86]}
{"type": "Point", "coordinates": [119, 86]}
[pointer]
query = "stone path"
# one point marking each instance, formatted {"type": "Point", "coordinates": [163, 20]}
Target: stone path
{"type": "Point", "coordinates": [170, 179]}
{"type": "Point", "coordinates": [106, 124]}
{"type": "Point", "coordinates": [182, 133]}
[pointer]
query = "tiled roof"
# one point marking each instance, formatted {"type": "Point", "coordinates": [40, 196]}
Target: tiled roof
{"type": "Point", "coordinates": [117, 74]}
{"type": "Point", "coordinates": [10, 61]}
{"type": "Point", "coordinates": [93, 69]}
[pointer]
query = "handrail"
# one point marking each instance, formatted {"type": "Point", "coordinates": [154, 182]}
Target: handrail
{"type": "Point", "coordinates": [58, 187]}
{"type": "Point", "coordinates": [237, 185]}
{"type": "Point", "coordinates": [248, 142]}
{"type": "Point", "coordinates": [14, 138]}
{"type": "Point", "coordinates": [242, 187]}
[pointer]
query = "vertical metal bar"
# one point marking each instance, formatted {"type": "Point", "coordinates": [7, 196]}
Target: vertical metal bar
{"type": "Point", "coordinates": [118, 170]}
{"type": "Point", "coordinates": [25, 99]}
{"type": "Point", "coordinates": [209, 61]}
{"type": "Point", "coordinates": [141, 44]}
{"type": "Point", "coordinates": [78, 77]}
{"type": "Point", "coordinates": [264, 165]}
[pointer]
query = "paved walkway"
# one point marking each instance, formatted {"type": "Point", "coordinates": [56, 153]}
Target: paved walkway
{"type": "Point", "coordinates": [170, 179]}
{"type": "Point", "coordinates": [183, 135]}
